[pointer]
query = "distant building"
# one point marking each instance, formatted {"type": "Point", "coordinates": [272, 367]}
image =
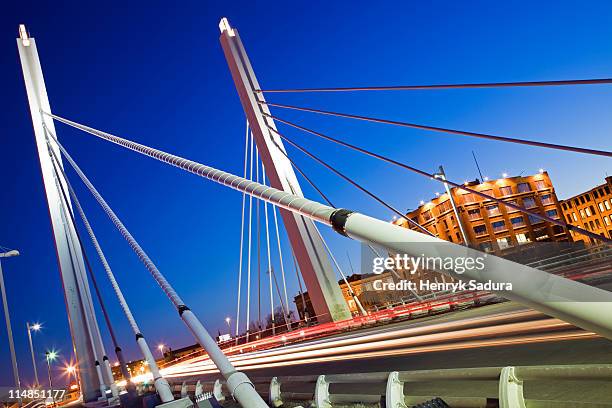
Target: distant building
{"type": "Point", "coordinates": [591, 210]}
{"type": "Point", "coordinates": [490, 226]}
{"type": "Point", "coordinates": [363, 287]}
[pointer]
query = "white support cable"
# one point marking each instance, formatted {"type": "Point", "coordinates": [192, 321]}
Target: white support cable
{"type": "Point", "coordinates": [161, 385]}
{"type": "Point", "coordinates": [258, 233]}
{"type": "Point", "coordinates": [574, 302]}
{"type": "Point", "coordinates": [239, 384]}
{"type": "Point", "coordinates": [248, 305]}
{"type": "Point", "coordinates": [280, 260]}
{"type": "Point", "coordinates": [81, 289]}
{"type": "Point", "coordinates": [246, 152]}
{"type": "Point", "coordinates": [348, 285]}
{"type": "Point", "coordinates": [263, 176]}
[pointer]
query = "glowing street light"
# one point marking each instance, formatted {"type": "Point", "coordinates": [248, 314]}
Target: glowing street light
{"type": "Point", "coordinates": [161, 347]}
{"type": "Point", "coordinates": [35, 327]}
{"type": "Point", "coordinates": [227, 320]}
{"type": "Point", "coordinates": [51, 356]}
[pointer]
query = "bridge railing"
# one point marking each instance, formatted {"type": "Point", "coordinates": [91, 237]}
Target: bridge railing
{"type": "Point", "coordinates": [506, 387]}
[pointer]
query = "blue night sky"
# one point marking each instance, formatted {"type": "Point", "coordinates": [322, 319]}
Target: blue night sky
{"type": "Point", "coordinates": [156, 74]}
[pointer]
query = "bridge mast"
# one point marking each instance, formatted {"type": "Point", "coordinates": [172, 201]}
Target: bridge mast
{"type": "Point", "coordinates": [86, 337]}
{"type": "Point", "coordinates": [320, 279]}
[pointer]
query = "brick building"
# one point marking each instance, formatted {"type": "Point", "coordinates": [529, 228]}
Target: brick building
{"type": "Point", "coordinates": [491, 226]}
{"type": "Point", "coordinates": [591, 210]}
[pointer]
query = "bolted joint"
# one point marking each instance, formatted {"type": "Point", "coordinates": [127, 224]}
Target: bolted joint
{"type": "Point", "coordinates": [104, 358]}
{"type": "Point", "coordinates": [182, 309]}
{"type": "Point", "coordinates": [338, 220]}
{"type": "Point", "coordinates": [117, 349]}
{"type": "Point", "coordinates": [139, 336]}
{"type": "Point", "coordinates": [236, 380]}
{"type": "Point", "coordinates": [97, 363]}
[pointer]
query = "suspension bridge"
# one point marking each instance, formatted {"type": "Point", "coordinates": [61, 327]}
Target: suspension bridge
{"type": "Point", "coordinates": [470, 357]}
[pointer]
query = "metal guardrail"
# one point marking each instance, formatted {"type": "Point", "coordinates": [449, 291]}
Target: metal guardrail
{"type": "Point", "coordinates": [459, 387]}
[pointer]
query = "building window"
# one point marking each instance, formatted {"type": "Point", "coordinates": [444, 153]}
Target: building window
{"type": "Point", "coordinates": [582, 200]}
{"type": "Point", "coordinates": [499, 226]}
{"type": "Point", "coordinates": [488, 192]}
{"type": "Point", "coordinates": [595, 194]}
{"type": "Point", "coordinates": [581, 213]}
{"type": "Point", "coordinates": [588, 197]}
{"type": "Point", "coordinates": [557, 230]}
{"type": "Point", "coordinates": [517, 222]}
{"type": "Point", "coordinates": [541, 185]}
{"type": "Point", "coordinates": [427, 215]}
{"type": "Point", "coordinates": [534, 220]}
{"type": "Point", "coordinates": [504, 242]}
{"type": "Point", "coordinates": [522, 238]}
{"type": "Point", "coordinates": [597, 223]}
{"type": "Point", "coordinates": [574, 217]}
{"type": "Point", "coordinates": [547, 199]}
{"type": "Point", "coordinates": [505, 191]}
{"type": "Point", "coordinates": [480, 230]}
{"type": "Point", "coordinates": [607, 205]}
{"type": "Point", "coordinates": [445, 206]}
{"type": "Point", "coordinates": [601, 207]}
{"type": "Point", "coordinates": [469, 198]}
{"type": "Point", "coordinates": [606, 220]}
{"type": "Point", "coordinates": [510, 209]}
{"type": "Point", "coordinates": [524, 187]}
{"type": "Point", "coordinates": [587, 211]}
{"type": "Point", "coordinates": [474, 214]}
{"type": "Point", "coordinates": [486, 246]}
{"type": "Point", "coordinates": [493, 210]}
{"type": "Point", "coordinates": [529, 202]}
{"type": "Point", "coordinates": [552, 213]}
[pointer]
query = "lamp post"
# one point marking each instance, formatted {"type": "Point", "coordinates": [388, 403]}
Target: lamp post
{"type": "Point", "coordinates": [9, 331]}
{"type": "Point", "coordinates": [50, 355]}
{"type": "Point", "coordinates": [227, 320]}
{"type": "Point", "coordinates": [160, 347]}
{"type": "Point", "coordinates": [36, 327]}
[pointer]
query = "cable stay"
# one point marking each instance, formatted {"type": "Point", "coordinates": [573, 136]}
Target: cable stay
{"type": "Point", "coordinates": [441, 180]}
{"type": "Point", "coordinates": [443, 130]}
{"type": "Point", "coordinates": [101, 360]}
{"type": "Point", "coordinates": [281, 263]}
{"type": "Point", "coordinates": [263, 181]}
{"type": "Point", "coordinates": [244, 174]}
{"type": "Point", "coordinates": [248, 311]}
{"type": "Point", "coordinates": [244, 395]}
{"type": "Point", "coordinates": [444, 86]}
{"type": "Point", "coordinates": [546, 292]}
{"type": "Point", "coordinates": [348, 179]}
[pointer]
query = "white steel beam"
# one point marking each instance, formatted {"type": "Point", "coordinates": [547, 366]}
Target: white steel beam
{"type": "Point", "coordinates": [78, 313]}
{"type": "Point", "coordinates": [318, 274]}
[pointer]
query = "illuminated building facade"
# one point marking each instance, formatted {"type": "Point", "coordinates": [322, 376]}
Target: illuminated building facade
{"type": "Point", "coordinates": [591, 210]}
{"type": "Point", "coordinates": [490, 226]}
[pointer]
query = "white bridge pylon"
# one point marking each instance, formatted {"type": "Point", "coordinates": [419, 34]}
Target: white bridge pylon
{"type": "Point", "coordinates": [306, 242]}
{"type": "Point", "coordinates": [84, 329]}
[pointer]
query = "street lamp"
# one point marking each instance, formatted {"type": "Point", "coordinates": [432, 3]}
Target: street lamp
{"type": "Point", "coordinates": [9, 254]}
{"type": "Point", "coordinates": [227, 320]}
{"type": "Point", "coordinates": [36, 327]}
{"type": "Point", "coordinates": [51, 356]}
{"type": "Point", "coordinates": [160, 347]}
{"type": "Point", "coordinates": [71, 370]}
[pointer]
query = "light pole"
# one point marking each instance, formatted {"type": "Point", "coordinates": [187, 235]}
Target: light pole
{"type": "Point", "coordinates": [50, 355]}
{"type": "Point", "coordinates": [9, 331]}
{"type": "Point", "coordinates": [229, 328]}
{"type": "Point", "coordinates": [36, 327]}
{"type": "Point", "coordinates": [160, 347]}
